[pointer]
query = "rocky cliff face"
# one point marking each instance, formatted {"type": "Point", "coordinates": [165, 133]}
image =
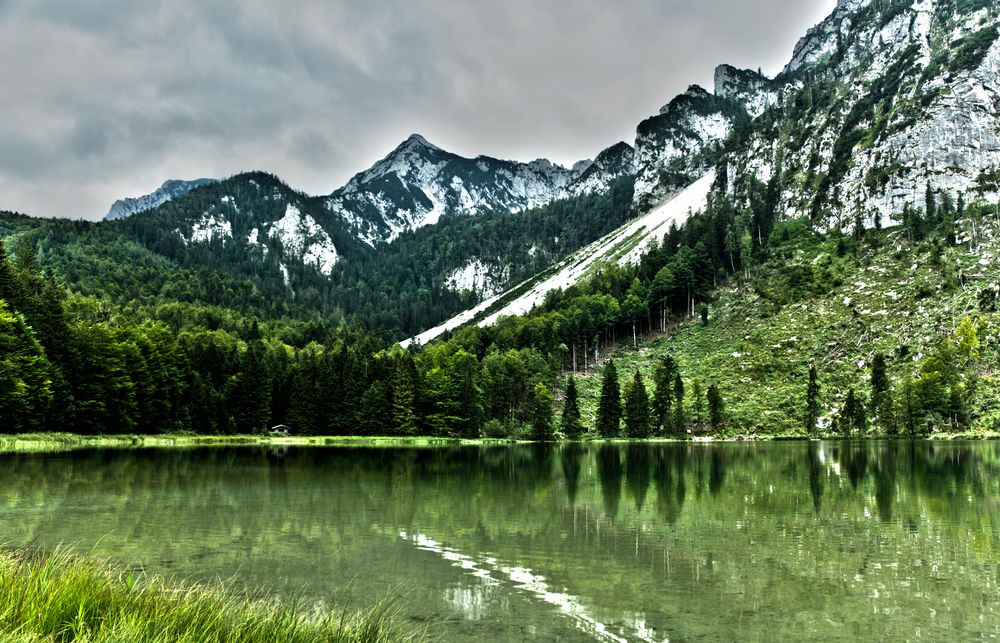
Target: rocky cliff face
{"type": "Point", "coordinates": [169, 190]}
{"type": "Point", "coordinates": [681, 143]}
{"type": "Point", "coordinates": [880, 103]}
{"type": "Point", "coordinates": [418, 183]}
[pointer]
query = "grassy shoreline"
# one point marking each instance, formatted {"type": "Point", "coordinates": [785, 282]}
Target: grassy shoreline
{"type": "Point", "coordinates": [54, 442]}
{"type": "Point", "coordinates": [58, 596]}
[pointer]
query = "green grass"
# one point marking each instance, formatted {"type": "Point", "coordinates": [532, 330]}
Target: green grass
{"type": "Point", "coordinates": [52, 442]}
{"type": "Point", "coordinates": [57, 596]}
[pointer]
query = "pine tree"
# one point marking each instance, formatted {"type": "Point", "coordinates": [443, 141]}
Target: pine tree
{"type": "Point", "coordinates": [699, 402]}
{"type": "Point", "coordinates": [716, 408]}
{"type": "Point", "coordinates": [881, 397]}
{"type": "Point", "coordinates": [572, 428]}
{"type": "Point", "coordinates": [609, 408]}
{"type": "Point", "coordinates": [539, 413]}
{"type": "Point", "coordinates": [10, 288]}
{"type": "Point", "coordinates": [812, 401]}
{"type": "Point", "coordinates": [680, 421]}
{"type": "Point", "coordinates": [404, 396]}
{"type": "Point", "coordinates": [636, 408]}
{"type": "Point", "coordinates": [663, 393]}
{"type": "Point", "coordinates": [908, 405]}
{"type": "Point", "coordinates": [852, 417]}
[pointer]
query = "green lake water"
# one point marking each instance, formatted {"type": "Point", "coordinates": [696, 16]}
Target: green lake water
{"type": "Point", "coordinates": [647, 542]}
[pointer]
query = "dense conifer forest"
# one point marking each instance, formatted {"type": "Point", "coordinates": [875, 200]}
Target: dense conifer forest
{"type": "Point", "coordinates": [76, 362]}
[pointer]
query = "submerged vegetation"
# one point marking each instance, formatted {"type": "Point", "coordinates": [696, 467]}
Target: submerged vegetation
{"type": "Point", "coordinates": [59, 597]}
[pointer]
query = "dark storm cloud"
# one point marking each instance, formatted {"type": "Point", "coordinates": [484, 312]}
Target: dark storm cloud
{"type": "Point", "coordinates": [108, 98]}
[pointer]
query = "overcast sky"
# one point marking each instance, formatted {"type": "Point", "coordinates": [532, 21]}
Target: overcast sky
{"type": "Point", "coordinates": [101, 99]}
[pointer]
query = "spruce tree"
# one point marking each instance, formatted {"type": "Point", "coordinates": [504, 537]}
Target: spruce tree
{"type": "Point", "coordinates": [539, 412]}
{"type": "Point", "coordinates": [609, 408]}
{"type": "Point", "coordinates": [571, 425]}
{"type": "Point", "coordinates": [636, 408]}
{"type": "Point", "coordinates": [852, 417]}
{"type": "Point", "coordinates": [404, 396]}
{"type": "Point", "coordinates": [716, 409]}
{"type": "Point", "coordinates": [699, 402]}
{"type": "Point", "coordinates": [663, 393]}
{"type": "Point", "coordinates": [679, 419]}
{"type": "Point", "coordinates": [812, 401]}
{"type": "Point", "coordinates": [10, 288]}
{"type": "Point", "coordinates": [881, 398]}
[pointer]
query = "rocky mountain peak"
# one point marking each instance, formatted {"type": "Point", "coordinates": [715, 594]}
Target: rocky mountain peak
{"type": "Point", "coordinates": [170, 189]}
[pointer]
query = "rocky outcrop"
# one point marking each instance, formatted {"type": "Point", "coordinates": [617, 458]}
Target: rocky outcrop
{"type": "Point", "coordinates": [681, 143]}
{"type": "Point", "coordinates": [882, 101]}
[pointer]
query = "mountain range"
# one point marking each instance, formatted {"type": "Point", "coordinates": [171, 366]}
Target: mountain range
{"type": "Point", "coordinates": [885, 106]}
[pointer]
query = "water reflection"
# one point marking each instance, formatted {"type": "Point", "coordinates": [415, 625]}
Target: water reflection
{"type": "Point", "coordinates": [571, 458]}
{"type": "Point", "coordinates": [890, 540]}
{"type": "Point", "coordinates": [609, 471]}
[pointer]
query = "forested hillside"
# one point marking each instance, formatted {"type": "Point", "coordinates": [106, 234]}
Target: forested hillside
{"type": "Point", "coordinates": [425, 276]}
{"type": "Point", "coordinates": [911, 309]}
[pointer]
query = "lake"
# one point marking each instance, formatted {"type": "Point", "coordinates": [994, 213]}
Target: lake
{"type": "Point", "coordinates": [641, 542]}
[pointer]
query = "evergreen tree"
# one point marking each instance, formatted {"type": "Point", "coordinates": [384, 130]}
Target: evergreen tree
{"type": "Point", "coordinates": [10, 288]}
{"type": "Point", "coordinates": [404, 396]}
{"type": "Point", "coordinates": [609, 408]}
{"type": "Point", "coordinates": [663, 393]}
{"type": "Point", "coordinates": [540, 412]}
{"type": "Point", "coordinates": [852, 417]}
{"type": "Point", "coordinates": [680, 422]}
{"type": "Point", "coordinates": [812, 401]}
{"type": "Point", "coordinates": [716, 409]}
{"type": "Point", "coordinates": [881, 396]}
{"type": "Point", "coordinates": [908, 405]}
{"type": "Point", "coordinates": [699, 402]}
{"type": "Point", "coordinates": [636, 408]}
{"type": "Point", "coordinates": [375, 410]}
{"type": "Point", "coordinates": [572, 428]}
{"type": "Point", "coordinates": [248, 393]}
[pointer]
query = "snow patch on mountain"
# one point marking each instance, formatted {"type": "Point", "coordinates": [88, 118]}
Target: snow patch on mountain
{"type": "Point", "coordinates": [478, 277]}
{"type": "Point", "coordinates": [300, 235]}
{"type": "Point", "coordinates": [624, 245]}
{"type": "Point", "coordinates": [207, 229]}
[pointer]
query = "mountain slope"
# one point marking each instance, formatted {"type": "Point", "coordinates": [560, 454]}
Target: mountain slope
{"type": "Point", "coordinates": [813, 303]}
{"type": "Point", "coordinates": [882, 104]}
{"type": "Point", "coordinates": [123, 208]}
{"type": "Point", "coordinates": [622, 246]}
{"type": "Point", "coordinates": [418, 183]}
{"type": "Point", "coordinates": [681, 143]}
{"type": "Point", "coordinates": [885, 107]}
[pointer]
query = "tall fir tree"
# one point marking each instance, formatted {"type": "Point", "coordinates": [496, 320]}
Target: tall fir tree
{"type": "Point", "coordinates": [812, 401]}
{"type": "Point", "coordinates": [609, 408]}
{"type": "Point", "coordinates": [572, 428]}
{"type": "Point", "coordinates": [539, 412]}
{"type": "Point", "coordinates": [663, 393]}
{"type": "Point", "coordinates": [636, 408]}
{"type": "Point", "coordinates": [852, 416]}
{"type": "Point", "coordinates": [716, 408]}
{"type": "Point", "coordinates": [881, 396]}
{"type": "Point", "coordinates": [10, 287]}
{"type": "Point", "coordinates": [404, 396]}
{"type": "Point", "coordinates": [680, 420]}
{"type": "Point", "coordinates": [698, 397]}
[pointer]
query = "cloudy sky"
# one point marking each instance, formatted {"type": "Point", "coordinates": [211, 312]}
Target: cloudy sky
{"type": "Point", "coordinates": [107, 98]}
